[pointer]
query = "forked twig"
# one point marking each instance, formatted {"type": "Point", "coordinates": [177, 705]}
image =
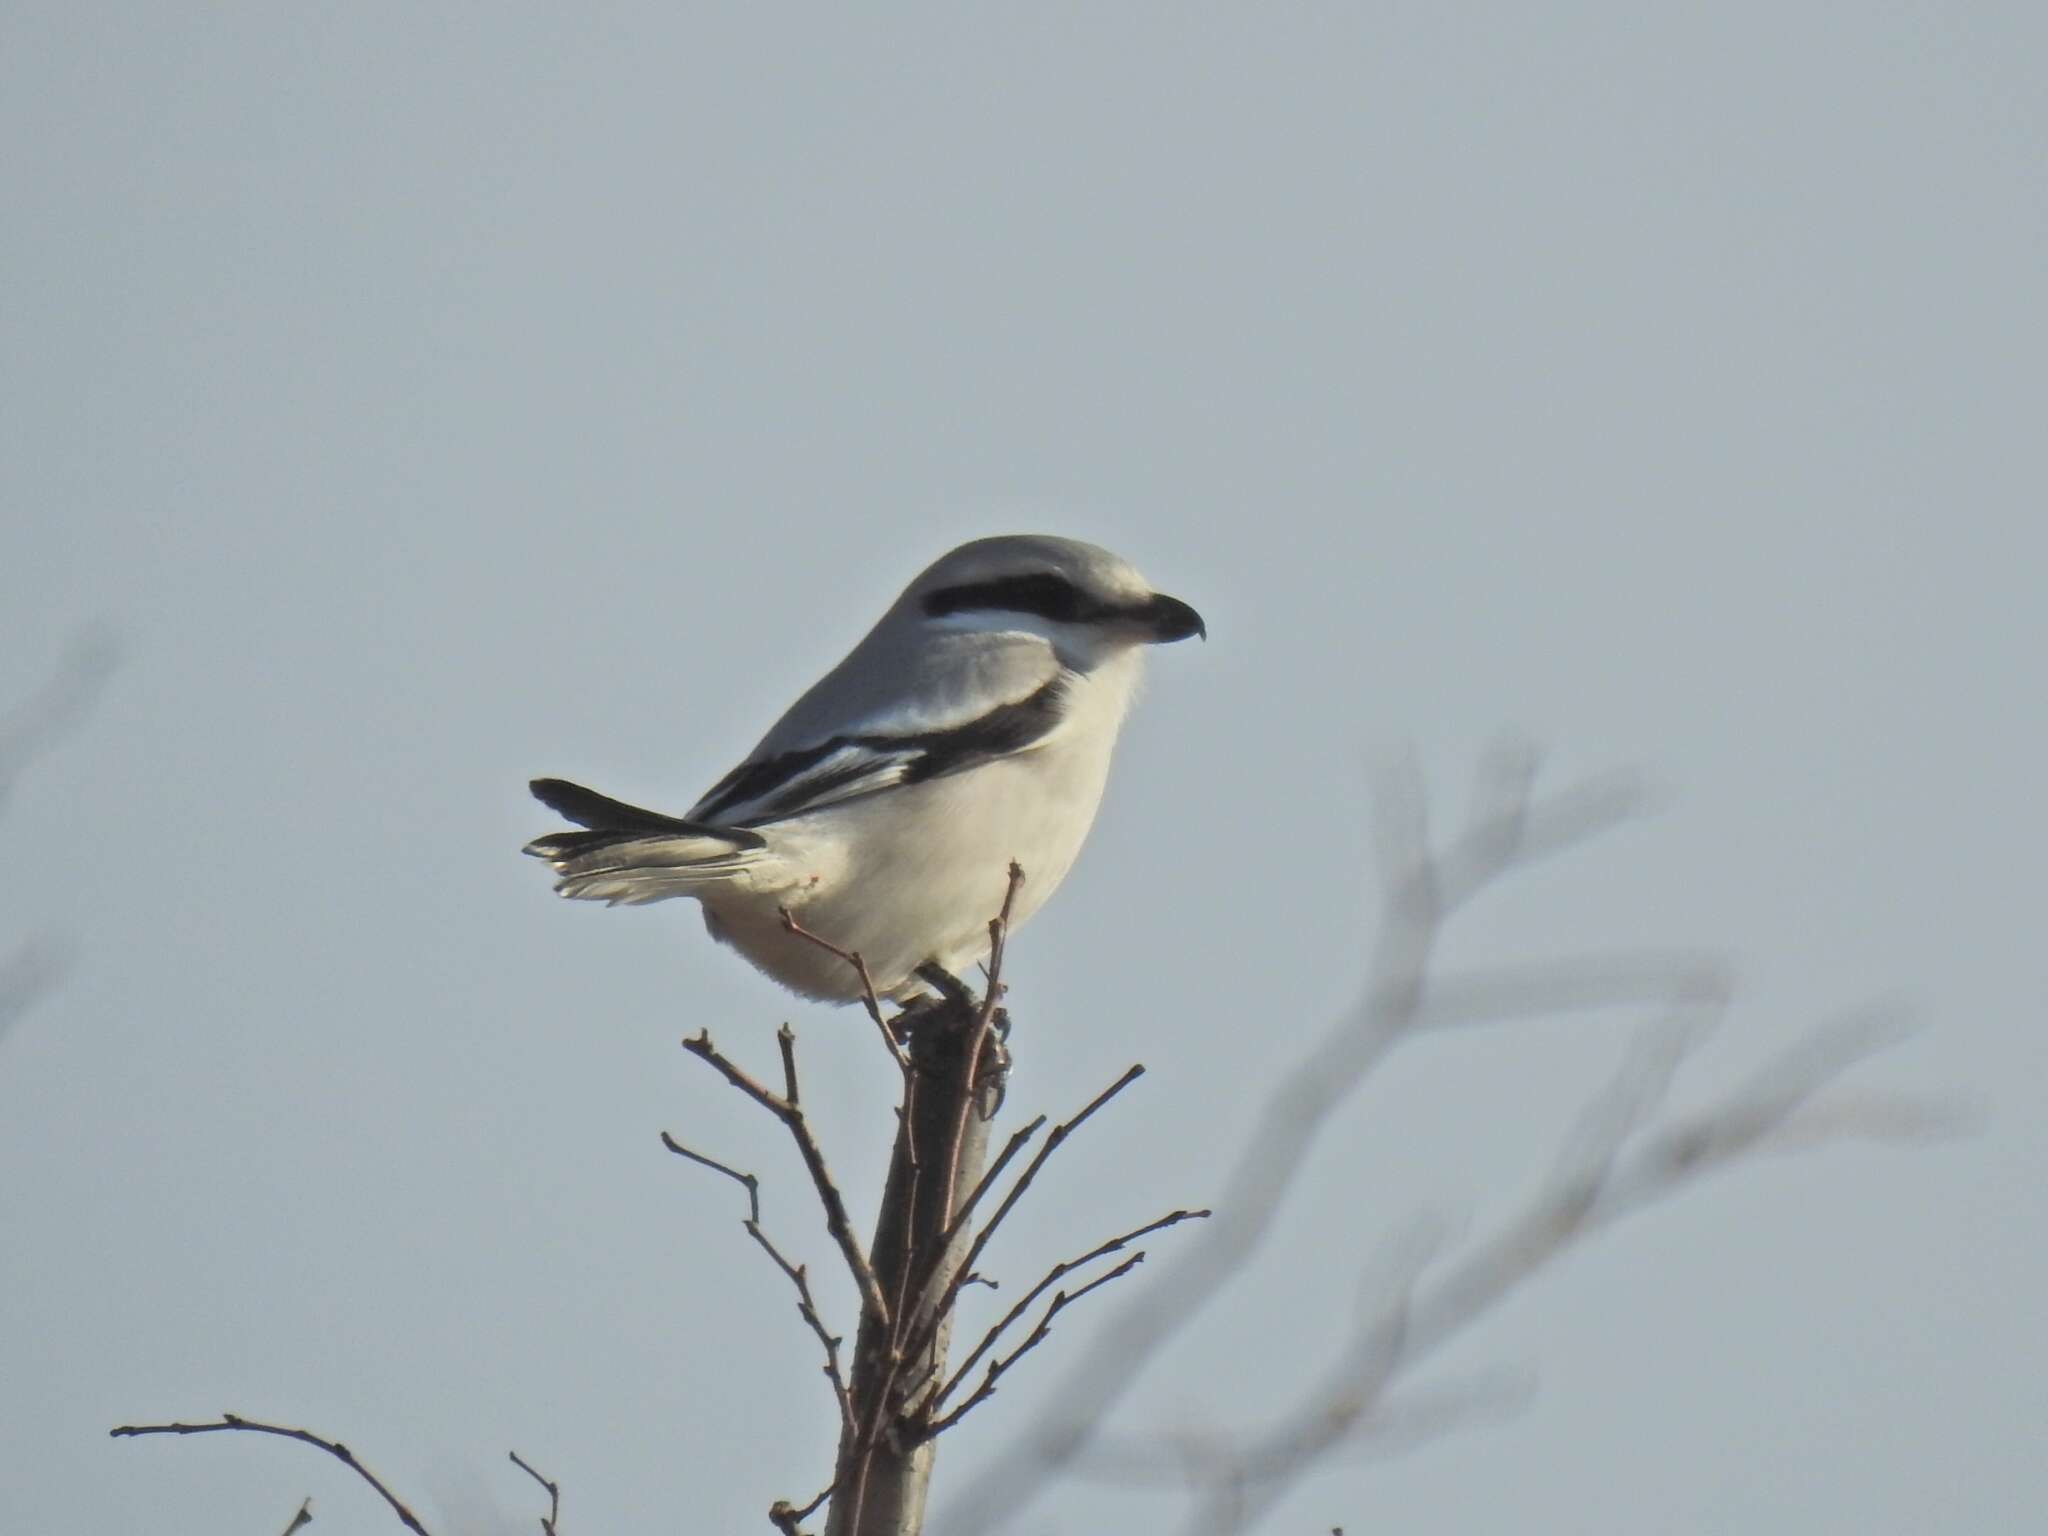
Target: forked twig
{"type": "Point", "coordinates": [852, 957]}
{"type": "Point", "coordinates": [984, 1021]}
{"type": "Point", "coordinates": [1019, 1138]}
{"type": "Point", "coordinates": [550, 1523]}
{"type": "Point", "coordinates": [790, 1112]}
{"type": "Point", "coordinates": [929, 1311]}
{"type": "Point", "coordinates": [334, 1448]}
{"type": "Point", "coordinates": [806, 1304]}
{"type": "Point", "coordinates": [1052, 1277]}
{"type": "Point", "coordinates": [1060, 1302]}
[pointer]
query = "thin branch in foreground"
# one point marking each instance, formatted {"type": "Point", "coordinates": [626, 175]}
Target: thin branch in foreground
{"type": "Point", "coordinates": [806, 1304]}
{"type": "Point", "coordinates": [1060, 1302]}
{"type": "Point", "coordinates": [852, 958]}
{"type": "Point", "coordinates": [1008, 1319]}
{"type": "Point", "coordinates": [551, 1521]}
{"type": "Point", "coordinates": [791, 1114]}
{"type": "Point", "coordinates": [303, 1518]}
{"type": "Point", "coordinates": [1019, 1138]}
{"type": "Point", "coordinates": [334, 1448]}
{"type": "Point", "coordinates": [984, 1020]}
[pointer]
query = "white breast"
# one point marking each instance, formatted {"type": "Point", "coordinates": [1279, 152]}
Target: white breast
{"type": "Point", "coordinates": [915, 873]}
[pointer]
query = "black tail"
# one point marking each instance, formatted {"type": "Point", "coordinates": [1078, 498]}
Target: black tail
{"type": "Point", "coordinates": [587, 808]}
{"type": "Point", "coordinates": [613, 821]}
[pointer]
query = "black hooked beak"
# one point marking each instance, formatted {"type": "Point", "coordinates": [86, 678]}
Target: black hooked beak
{"type": "Point", "coordinates": [1171, 619]}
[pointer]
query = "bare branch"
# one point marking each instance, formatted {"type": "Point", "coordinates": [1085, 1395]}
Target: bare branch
{"type": "Point", "coordinates": [790, 1113]}
{"type": "Point", "coordinates": [928, 1311]}
{"type": "Point", "coordinates": [869, 1001]}
{"type": "Point", "coordinates": [984, 1020]}
{"type": "Point", "coordinates": [550, 1522]}
{"type": "Point", "coordinates": [1060, 1301]}
{"type": "Point", "coordinates": [746, 1181]}
{"type": "Point", "coordinates": [1052, 1277]}
{"type": "Point", "coordinates": [1018, 1140]}
{"type": "Point", "coordinates": [303, 1518]}
{"type": "Point", "coordinates": [806, 1304]}
{"type": "Point", "coordinates": [334, 1448]}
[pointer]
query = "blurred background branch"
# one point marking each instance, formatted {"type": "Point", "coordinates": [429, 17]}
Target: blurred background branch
{"type": "Point", "coordinates": [1617, 1159]}
{"type": "Point", "coordinates": [29, 731]}
{"type": "Point", "coordinates": [31, 728]}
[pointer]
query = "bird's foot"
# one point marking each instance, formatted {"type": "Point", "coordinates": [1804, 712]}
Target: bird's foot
{"type": "Point", "coordinates": [947, 985]}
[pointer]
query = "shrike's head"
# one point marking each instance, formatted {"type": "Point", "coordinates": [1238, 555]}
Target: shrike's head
{"type": "Point", "coordinates": [1085, 600]}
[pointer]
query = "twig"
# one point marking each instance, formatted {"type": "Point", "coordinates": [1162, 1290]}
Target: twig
{"type": "Point", "coordinates": [791, 1114]}
{"type": "Point", "coordinates": [806, 1304]}
{"type": "Point", "coordinates": [929, 1313]}
{"type": "Point", "coordinates": [998, 943]}
{"type": "Point", "coordinates": [965, 1213]}
{"type": "Point", "coordinates": [1052, 1277]}
{"type": "Point", "coordinates": [334, 1448]}
{"type": "Point", "coordinates": [852, 957]}
{"type": "Point", "coordinates": [303, 1518]}
{"type": "Point", "coordinates": [997, 1367]}
{"type": "Point", "coordinates": [551, 1520]}
{"type": "Point", "coordinates": [789, 1519]}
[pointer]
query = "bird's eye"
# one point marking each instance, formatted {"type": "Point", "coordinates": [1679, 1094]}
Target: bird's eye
{"type": "Point", "coordinates": [1045, 595]}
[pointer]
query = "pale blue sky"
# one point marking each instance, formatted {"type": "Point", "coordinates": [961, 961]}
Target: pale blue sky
{"type": "Point", "coordinates": [434, 397]}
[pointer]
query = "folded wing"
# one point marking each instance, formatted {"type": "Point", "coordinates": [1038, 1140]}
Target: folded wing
{"type": "Point", "coordinates": [953, 705]}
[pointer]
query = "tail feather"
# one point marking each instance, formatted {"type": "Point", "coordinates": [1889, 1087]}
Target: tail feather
{"type": "Point", "coordinates": [601, 813]}
{"type": "Point", "coordinates": [629, 855]}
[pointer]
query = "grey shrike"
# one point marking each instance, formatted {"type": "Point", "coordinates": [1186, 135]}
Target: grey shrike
{"type": "Point", "coordinates": [972, 726]}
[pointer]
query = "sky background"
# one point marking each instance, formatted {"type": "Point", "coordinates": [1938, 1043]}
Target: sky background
{"type": "Point", "coordinates": [430, 397]}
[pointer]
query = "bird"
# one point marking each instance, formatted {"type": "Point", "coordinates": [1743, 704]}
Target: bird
{"type": "Point", "coordinates": [970, 729]}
